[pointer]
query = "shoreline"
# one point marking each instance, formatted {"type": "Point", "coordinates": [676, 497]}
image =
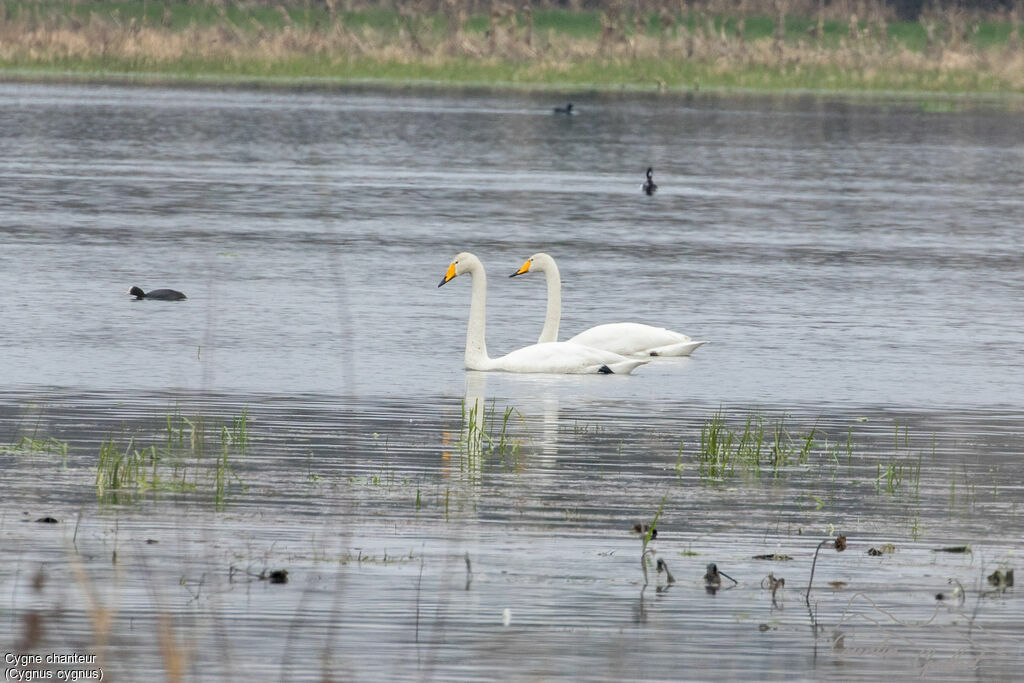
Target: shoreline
{"type": "Point", "coordinates": [324, 83]}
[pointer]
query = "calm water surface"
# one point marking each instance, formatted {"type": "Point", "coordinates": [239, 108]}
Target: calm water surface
{"type": "Point", "coordinates": [856, 266]}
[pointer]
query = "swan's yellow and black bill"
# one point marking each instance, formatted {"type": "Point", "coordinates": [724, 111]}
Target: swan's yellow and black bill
{"type": "Point", "coordinates": [525, 268]}
{"type": "Point", "coordinates": [448, 275]}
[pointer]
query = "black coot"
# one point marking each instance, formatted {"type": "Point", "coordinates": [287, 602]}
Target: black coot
{"type": "Point", "coordinates": [159, 294]}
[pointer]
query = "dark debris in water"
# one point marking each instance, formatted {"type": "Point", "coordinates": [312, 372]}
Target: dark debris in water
{"type": "Point", "coordinates": [277, 576]}
{"type": "Point", "coordinates": [273, 575]}
{"type": "Point", "coordinates": [773, 583]}
{"type": "Point", "coordinates": [713, 578]}
{"type": "Point", "coordinates": [47, 520]}
{"type": "Point", "coordinates": [1001, 579]}
{"type": "Point", "coordinates": [644, 528]}
{"type": "Point", "coordinates": [959, 594]}
{"type": "Point", "coordinates": [887, 549]}
{"type": "Point", "coordinates": [953, 549]}
{"type": "Point", "coordinates": [781, 557]}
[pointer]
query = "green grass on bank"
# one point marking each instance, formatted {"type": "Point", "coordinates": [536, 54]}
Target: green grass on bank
{"type": "Point", "coordinates": [647, 75]}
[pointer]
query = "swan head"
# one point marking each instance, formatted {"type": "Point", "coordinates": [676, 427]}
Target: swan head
{"type": "Point", "coordinates": [538, 263]}
{"type": "Point", "coordinates": [460, 265]}
{"type": "Point", "coordinates": [650, 172]}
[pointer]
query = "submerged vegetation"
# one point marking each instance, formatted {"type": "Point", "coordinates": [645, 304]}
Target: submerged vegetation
{"type": "Point", "coordinates": [179, 460]}
{"type": "Point", "coordinates": [30, 445]}
{"type": "Point", "coordinates": [481, 434]}
{"type": "Point", "coordinates": [665, 45]}
{"type": "Point", "coordinates": [187, 456]}
{"type": "Point", "coordinates": [769, 448]}
{"type": "Point", "coordinates": [123, 474]}
{"type": "Point", "coordinates": [527, 504]}
{"type": "Point", "coordinates": [126, 472]}
{"type": "Point", "coordinates": [754, 449]}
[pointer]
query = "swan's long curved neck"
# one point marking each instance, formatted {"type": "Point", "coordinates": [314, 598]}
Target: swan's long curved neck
{"type": "Point", "coordinates": [476, 344]}
{"type": "Point", "coordinates": [554, 310]}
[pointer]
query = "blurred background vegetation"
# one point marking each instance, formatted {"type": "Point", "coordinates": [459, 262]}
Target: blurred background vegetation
{"type": "Point", "coordinates": [661, 44]}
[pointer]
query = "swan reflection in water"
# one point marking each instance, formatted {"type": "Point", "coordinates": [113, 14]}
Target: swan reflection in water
{"type": "Point", "coordinates": [499, 428]}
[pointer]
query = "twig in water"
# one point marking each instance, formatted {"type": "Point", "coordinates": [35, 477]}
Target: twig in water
{"type": "Point", "coordinates": [74, 537]}
{"type": "Point", "coordinates": [199, 588]}
{"type": "Point", "coordinates": [839, 543]}
{"type": "Point", "coordinates": [469, 572]}
{"type": "Point", "coordinates": [663, 567]}
{"type": "Point", "coordinates": [773, 584]}
{"type": "Point", "coordinates": [649, 532]}
{"type": "Point", "coordinates": [953, 549]}
{"type": "Point", "coordinates": [419, 581]}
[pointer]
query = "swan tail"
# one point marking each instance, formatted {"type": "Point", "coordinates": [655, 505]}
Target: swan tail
{"type": "Point", "coordinates": [622, 367]}
{"type": "Point", "coordinates": [681, 349]}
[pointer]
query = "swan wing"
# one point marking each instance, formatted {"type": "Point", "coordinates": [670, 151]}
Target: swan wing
{"type": "Point", "coordinates": [566, 358]}
{"type": "Point", "coordinates": [630, 339]}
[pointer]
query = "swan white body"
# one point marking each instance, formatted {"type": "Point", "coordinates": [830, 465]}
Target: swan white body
{"type": "Point", "coordinates": [628, 339]}
{"type": "Point", "coordinates": [558, 357]}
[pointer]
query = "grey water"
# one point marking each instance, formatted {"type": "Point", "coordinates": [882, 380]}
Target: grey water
{"type": "Point", "coordinates": [856, 266]}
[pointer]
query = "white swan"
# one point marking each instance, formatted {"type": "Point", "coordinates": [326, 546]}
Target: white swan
{"type": "Point", "coordinates": [557, 357]}
{"type": "Point", "coordinates": [628, 339]}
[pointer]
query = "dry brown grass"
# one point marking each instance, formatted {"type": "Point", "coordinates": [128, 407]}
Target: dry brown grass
{"type": "Point", "coordinates": [866, 51]}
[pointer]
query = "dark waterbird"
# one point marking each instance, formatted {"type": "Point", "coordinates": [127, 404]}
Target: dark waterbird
{"type": "Point", "coordinates": [649, 186]}
{"type": "Point", "coordinates": [567, 109]}
{"type": "Point", "coordinates": [159, 294]}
